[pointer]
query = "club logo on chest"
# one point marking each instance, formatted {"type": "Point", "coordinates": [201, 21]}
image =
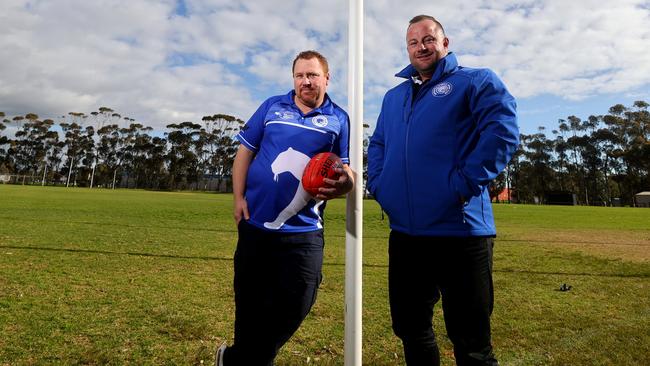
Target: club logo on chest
{"type": "Point", "coordinates": [319, 121]}
{"type": "Point", "coordinates": [441, 89]}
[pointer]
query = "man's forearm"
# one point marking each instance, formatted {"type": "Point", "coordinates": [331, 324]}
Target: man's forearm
{"type": "Point", "coordinates": [240, 171]}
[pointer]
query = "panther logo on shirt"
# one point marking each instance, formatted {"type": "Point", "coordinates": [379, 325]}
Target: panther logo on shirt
{"type": "Point", "coordinates": [319, 121]}
{"type": "Point", "coordinates": [441, 89]}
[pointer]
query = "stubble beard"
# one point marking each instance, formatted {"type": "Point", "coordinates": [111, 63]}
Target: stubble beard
{"type": "Point", "coordinates": [308, 97]}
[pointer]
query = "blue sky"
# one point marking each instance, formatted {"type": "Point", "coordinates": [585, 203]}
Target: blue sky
{"type": "Point", "coordinates": [171, 61]}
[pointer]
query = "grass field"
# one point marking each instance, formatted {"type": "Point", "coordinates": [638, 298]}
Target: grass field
{"type": "Point", "coordinates": [137, 277]}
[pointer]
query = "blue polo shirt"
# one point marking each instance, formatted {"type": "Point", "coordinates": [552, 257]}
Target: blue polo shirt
{"type": "Point", "coordinates": [283, 140]}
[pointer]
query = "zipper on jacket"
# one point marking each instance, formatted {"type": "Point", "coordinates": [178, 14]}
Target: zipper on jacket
{"type": "Point", "coordinates": [406, 168]}
{"type": "Point", "coordinates": [414, 100]}
{"type": "Point", "coordinates": [415, 97]}
{"type": "Point", "coordinates": [406, 165]}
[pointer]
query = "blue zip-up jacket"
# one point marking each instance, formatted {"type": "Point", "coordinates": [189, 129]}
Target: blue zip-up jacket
{"type": "Point", "coordinates": [433, 154]}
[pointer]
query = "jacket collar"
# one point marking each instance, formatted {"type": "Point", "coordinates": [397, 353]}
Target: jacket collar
{"type": "Point", "coordinates": [443, 67]}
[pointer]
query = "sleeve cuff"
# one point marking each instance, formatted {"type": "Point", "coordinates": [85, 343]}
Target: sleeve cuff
{"type": "Point", "coordinates": [246, 143]}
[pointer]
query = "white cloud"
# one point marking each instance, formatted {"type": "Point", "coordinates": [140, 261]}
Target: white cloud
{"type": "Point", "coordinates": [570, 49]}
{"type": "Point", "coordinates": [143, 60]}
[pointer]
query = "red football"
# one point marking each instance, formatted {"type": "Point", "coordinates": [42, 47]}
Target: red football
{"type": "Point", "coordinates": [321, 166]}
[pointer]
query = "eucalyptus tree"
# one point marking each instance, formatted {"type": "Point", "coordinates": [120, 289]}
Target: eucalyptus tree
{"type": "Point", "coordinates": [115, 145]}
{"type": "Point", "coordinates": [104, 116]}
{"type": "Point", "coordinates": [520, 170]}
{"type": "Point", "coordinates": [155, 173]}
{"type": "Point", "coordinates": [88, 156]}
{"type": "Point", "coordinates": [642, 120]}
{"type": "Point", "coordinates": [591, 124]}
{"type": "Point", "coordinates": [33, 144]}
{"type": "Point", "coordinates": [620, 121]}
{"type": "Point", "coordinates": [107, 154]}
{"type": "Point", "coordinates": [218, 144]}
{"type": "Point", "coordinates": [606, 142]}
{"type": "Point", "coordinates": [637, 154]}
{"type": "Point", "coordinates": [202, 151]}
{"type": "Point", "coordinates": [223, 135]}
{"type": "Point", "coordinates": [54, 153]}
{"type": "Point", "coordinates": [181, 157]}
{"type": "Point", "coordinates": [4, 143]}
{"type": "Point", "coordinates": [9, 153]}
{"type": "Point", "coordinates": [141, 157]}
{"type": "Point", "coordinates": [74, 142]}
{"type": "Point", "coordinates": [52, 148]}
{"type": "Point", "coordinates": [21, 148]}
{"type": "Point", "coordinates": [28, 149]}
{"type": "Point", "coordinates": [576, 169]}
{"type": "Point", "coordinates": [559, 158]}
{"type": "Point", "coordinates": [126, 151]}
{"type": "Point", "coordinates": [514, 174]}
{"type": "Point", "coordinates": [561, 150]}
{"type": "Point", "coordinates": [592, 163]}
{"type": "Point", "coordinates": [592, 167]}
{"type": "Point", "coordinates": [538, 151]}
{"type": "Point", "coordinates": [208, 145]}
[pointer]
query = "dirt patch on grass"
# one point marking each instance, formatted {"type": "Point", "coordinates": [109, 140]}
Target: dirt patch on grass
{"type": "Point", "coordinates": [625, 245]}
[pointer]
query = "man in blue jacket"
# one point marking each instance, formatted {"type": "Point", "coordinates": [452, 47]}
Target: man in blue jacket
{"type": "Point", "coordinates": [441, 137]}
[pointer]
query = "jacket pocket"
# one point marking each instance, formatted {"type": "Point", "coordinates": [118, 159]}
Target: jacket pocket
{"type": "Point", "coordinates": [387, 194]}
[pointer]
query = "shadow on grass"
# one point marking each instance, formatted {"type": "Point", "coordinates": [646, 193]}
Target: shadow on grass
{"type": "Point", "coordinates": [107, 252]}
{"type": "Point", "coordinates": [366, 265]}
{"type": "Point", "coordinates": [545, 273]}
{"type": "Point", "coordinates": [565, 241]}
{"type": "Point", "coordinates": [585, 274]}
{"type": "Point", "coordinates": [121, 225]}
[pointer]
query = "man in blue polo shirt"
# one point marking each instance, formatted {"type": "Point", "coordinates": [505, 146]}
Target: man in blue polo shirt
{"type": "Point", "coordinates": [279, 253]}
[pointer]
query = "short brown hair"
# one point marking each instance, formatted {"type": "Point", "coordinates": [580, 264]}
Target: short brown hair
{"type": "Point", "coordinates": [421, 17]}
{"type": "Point", "coordinates": [308, 55]}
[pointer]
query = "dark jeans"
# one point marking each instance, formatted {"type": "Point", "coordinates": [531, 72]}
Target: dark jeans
{"type": "Point", "coordinates": [424, 269]}
{"type": "Point", "coordinates": [276, 279]}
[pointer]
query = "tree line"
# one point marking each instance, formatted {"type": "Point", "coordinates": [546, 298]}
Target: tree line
{"type": "Point", "coordinates": [603, 160]}
{"type": "Point", "coordinates": [93, 150]}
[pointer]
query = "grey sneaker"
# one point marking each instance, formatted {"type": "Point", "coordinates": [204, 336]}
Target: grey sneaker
{"type": "Point", "coordinates": [218, 360]}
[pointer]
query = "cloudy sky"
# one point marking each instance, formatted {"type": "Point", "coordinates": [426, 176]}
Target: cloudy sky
{"type": "Point", "coordinates": [165, 61]}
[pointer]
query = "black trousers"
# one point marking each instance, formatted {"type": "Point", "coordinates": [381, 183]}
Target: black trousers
{"type": "Point", "coordinates": [276, 279]}
{"type": "Point", "coordinates": [459, 270]}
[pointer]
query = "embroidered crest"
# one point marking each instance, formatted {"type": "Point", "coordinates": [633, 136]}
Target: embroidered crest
{"type": "Point", "coordinates": [319, 121]}
{"type": "Point", "coordinates": [441, 89]}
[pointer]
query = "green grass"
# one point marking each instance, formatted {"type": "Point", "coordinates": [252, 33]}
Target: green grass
{"type": "Point", "coordinates": [137, 277]}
